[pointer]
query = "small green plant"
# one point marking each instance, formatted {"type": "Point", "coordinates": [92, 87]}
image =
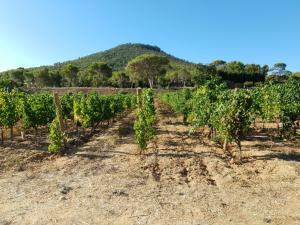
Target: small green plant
{"type": "Point", "coordinates": [55, 137]}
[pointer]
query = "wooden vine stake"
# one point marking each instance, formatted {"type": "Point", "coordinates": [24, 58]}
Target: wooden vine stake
{"type": "Point", "coordinates": [2, 136]}
{"type": "Point", "coordinates": [225, 144]}
{"type": "Point", "coordinates": [60, 117]}
{"type": "Point", "coordinates": [138, 96]}
{"type": "Point", "coordinates": [11, 129]}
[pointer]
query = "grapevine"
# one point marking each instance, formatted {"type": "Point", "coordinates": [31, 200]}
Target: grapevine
{"type": "Point", "coordinates": [143, 126]}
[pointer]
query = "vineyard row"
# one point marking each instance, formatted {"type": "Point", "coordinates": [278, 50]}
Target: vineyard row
{"type": "Point", "coordinates": [37, 110]}
{"type": "Point", "coordinates": [229, 114]}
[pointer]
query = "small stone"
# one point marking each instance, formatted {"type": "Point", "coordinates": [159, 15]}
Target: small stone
{"type": "Point", "coordinates": [65, 190]}
{"type": "Point", "coordinates": [62, 198]}
{"type": "Point", "coordinates": [120, 193]}
{"type": "Point", "coordinates": [267, 220]}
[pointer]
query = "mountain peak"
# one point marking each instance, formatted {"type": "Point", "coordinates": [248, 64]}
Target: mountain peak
{"type": "Point", "coordinates": [119, 56]}
{"type": "Point", "coordinates": [138, 45]}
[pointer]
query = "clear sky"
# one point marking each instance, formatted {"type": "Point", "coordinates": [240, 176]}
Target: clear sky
{"type": "Point", "coordinates": [42, 32]}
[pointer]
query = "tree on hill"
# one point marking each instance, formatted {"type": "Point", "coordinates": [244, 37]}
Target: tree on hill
{"type": "Point", "coordinates": [147, 67]}
{"type": "Point", "coordinates": [280, 66]}
{"type": "Point", "coordinates": [101, 68]}
{"type": "Point", "coordinates": [235, 67]}
{"type": "Point", "coordinates": [120, 79]}
{"type": "Point", "coordinates": [253, 71]}
{"type": "Point", "coordinates": [200, 73]}
{"type": "Point", "coordinates": [265, 70]}
{"type": "Point", "coordinates": [95, 75]}
{"type": "Point", "coordinates": [218, 63]}
{"type": "Point", "coordinates": [29, 79]}
{"type": "Point", "coordinates": [279, 69]}
{"type": "Point", "coordinates": [179, 75]}
{"type": "Point", "coordinates": [56, 78]}
{"type": "Point", "coordinates": [17, 76]}
{"type": "Point", "coordinates": [69, 73]}
{"type": "Point", "coordinates": [99, 73]}
{"type": "Point", "coordinates": [42, 77]}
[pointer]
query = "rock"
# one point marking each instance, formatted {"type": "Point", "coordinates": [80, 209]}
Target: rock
{"type": "Point", "coordinates": [65, 190]}
{"type": "Point", "coordinates": [120, 192]}
{"type": "Point", "coordinates": [267, 220]}
{"type": "Point", "coordinates": [62, 198]}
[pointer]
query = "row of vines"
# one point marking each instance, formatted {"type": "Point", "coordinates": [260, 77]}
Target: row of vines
{"type": "Point", "coordinates": [38, 110]}
{"type": "Point", "coordinates": [145, 119]}
{"type": "Point", "coordinates": [229, 114]}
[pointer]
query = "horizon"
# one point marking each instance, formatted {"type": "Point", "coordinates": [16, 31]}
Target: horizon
{"type": "Point", "coordinates": [44, 33]}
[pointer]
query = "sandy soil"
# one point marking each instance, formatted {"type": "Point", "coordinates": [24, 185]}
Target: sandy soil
{"type": "Point", "coordinates": [181, 180]}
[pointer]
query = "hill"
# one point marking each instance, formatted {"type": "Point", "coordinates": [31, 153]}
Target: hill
{"type": "Point", "coordinates": [119, 56]}
{"type": "Point", "coordinates": [179, 73]}
{"type": "Point", "coordinates": [114, 59]}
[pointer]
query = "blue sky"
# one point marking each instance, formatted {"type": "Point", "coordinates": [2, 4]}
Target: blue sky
{"type": "Point", "coordinates": [42, 32]}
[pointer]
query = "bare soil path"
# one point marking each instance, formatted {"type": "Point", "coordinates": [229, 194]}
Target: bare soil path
{"type": "Point", "coordinates": [180, 180]}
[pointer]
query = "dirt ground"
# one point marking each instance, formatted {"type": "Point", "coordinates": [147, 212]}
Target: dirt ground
{"type": "Point", "coordinates": [180, 180]}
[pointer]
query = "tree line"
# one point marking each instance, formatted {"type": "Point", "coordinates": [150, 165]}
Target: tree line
{"type": "Point", "coordinates": [147, 70]}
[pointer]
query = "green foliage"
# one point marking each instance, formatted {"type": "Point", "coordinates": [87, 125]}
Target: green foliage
{"type": "Point", "coordinates": [147, 67]}
{"type": "Point", "coordinates": [143, 125]}
{"type": "Point", "coordinates": [67, 105]}
{"type": "Point", "coordinates": [232, 115]}
{"type": "Point", "coordinates": [218, 62]}
{"type": "Point", "coordinates": [271, 104]}
{"type": "Point", "coordinates": [97, 74]}
{"type": "Point", "coordinates": [69, 73]}
{"type": "Point", "coordinates": [280, 65]}
{"type": "Point", "coordinates": [93, 70]}
{"type": "Point", "coordinates": [93, 108]}
{"type": "Point", "coordinates": [37, 110]}
{"type": "Point", "coordinates": [179, 75]}
{"type": "Point", "coordinates": [8, 109]}
{"type": "Point", "coordinates": [228, 114]}
{"type": "Point", "coordinates": [17, 76]}
{"type": "Point", "coordinates": [120, 79]}
{"type": "Point", "coordinates": [179, 101]}
{"type": "Point", "coordinates": [96, 70]}
{"type": "Point", "coordinates": [281, 101]}
{"type": "Point", "coordinates": [290, 94]}
{"type": "Point", "coordinates": [118, 57]}
{"type": "Point", "coordinates": [204, 101]}
{"type": "Point", "coordinates": [6, 85]}
{"type": "Point", "coordinates": [55, 136]}
{"type": "Point", "coordinates": [42, 77]}
{"type": "Point", "coordinates": [237, 72]}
